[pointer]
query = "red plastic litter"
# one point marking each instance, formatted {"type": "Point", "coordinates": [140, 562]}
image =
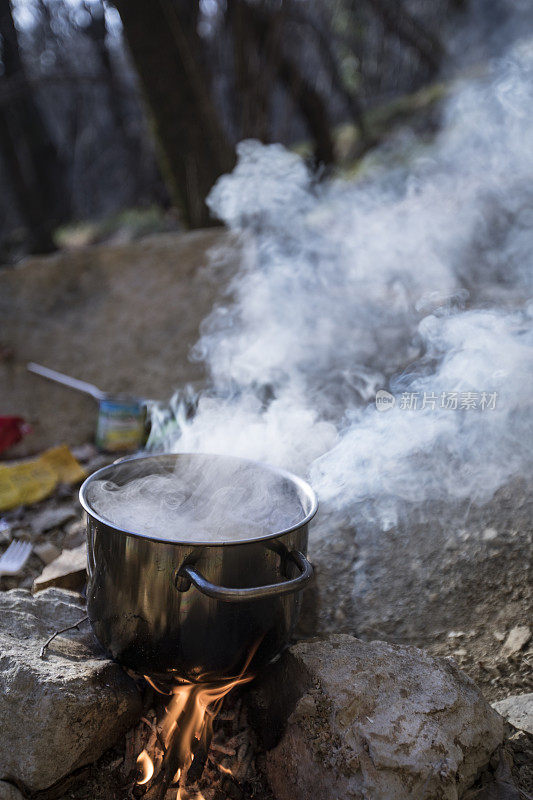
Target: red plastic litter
{"type": "Point", "coordinates": [12, 429]}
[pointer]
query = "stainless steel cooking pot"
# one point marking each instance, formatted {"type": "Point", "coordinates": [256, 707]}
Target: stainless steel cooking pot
{"type": "Point", "coordinates": [191, 608]}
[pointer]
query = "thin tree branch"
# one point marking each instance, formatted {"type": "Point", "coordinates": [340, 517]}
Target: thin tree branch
{"type": "Point", "coordinates": [398, 21]}
{"type": "Point", "coordinates": [51, 638]}
{"type": "Point", "coordinates": [330, 61]}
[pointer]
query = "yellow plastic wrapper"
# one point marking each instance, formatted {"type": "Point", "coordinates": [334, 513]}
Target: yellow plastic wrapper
{"type": "Point", "coordinates": [30, 481]}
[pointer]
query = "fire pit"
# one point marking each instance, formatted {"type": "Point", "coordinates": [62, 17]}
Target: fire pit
{"type": "Point", "coordinates": [203, 599]}
{"type": "Point", "coordinates": [196, 565]}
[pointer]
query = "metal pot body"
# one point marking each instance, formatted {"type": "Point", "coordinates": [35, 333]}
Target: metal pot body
{"type": "Point", "coordinates": [194, 610]}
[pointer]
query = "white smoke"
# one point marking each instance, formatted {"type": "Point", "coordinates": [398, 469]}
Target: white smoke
{"type": "Point", "coordinates": [449, 448]}
{"type": "Point", "coordinates": [425, 263]}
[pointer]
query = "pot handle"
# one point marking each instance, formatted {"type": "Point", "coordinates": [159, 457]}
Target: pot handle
{"type": "Point", "coordinates": [227, 594]}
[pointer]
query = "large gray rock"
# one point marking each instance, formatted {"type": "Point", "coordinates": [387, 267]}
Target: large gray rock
{"type": "Point", "coordinates": [349, 719]}
{"type": "Point", "coordinates": [61, 712]}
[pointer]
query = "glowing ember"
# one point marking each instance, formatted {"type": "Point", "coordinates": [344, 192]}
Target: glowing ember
{"type": "Point", "coordinates": [196, 796]}
{"type": "Point", "coordinates": [184, 734]}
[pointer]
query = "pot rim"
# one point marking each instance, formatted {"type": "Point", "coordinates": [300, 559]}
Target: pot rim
{"type": "Point", "coordinates": [299, 482]}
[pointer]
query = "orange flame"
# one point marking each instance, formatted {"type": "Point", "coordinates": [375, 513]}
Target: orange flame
{"type": "Point", "coordinates": [147, 765]}
{"type": "Point", "coordinates": [186, 728]}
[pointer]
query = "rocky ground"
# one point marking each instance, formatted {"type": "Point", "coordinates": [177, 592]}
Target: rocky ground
{"type": "Point", "coordinates": [457, 586]}
{"type": "Point", "coordinates": [455, 581]}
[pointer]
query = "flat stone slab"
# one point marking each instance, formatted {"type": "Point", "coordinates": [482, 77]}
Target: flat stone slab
{"type": "Point", "coordinates": [67, 571]}
{"type": "Point", "coordinates": [516, 640]}
{"type": "Point", "coordinates": [518, 710]}
{"type": "Point", "coordinates": [61, 712]}
{"type": "Point", "coordinates": [351, 719]}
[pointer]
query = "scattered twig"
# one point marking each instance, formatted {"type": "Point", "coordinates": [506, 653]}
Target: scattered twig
{"type": "Point", "coordinates": [50, 639]}
{"type": "Point", "coordinates": [156, 735]}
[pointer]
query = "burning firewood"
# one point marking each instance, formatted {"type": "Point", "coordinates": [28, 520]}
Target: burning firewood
{"type": "Point", "coordinates": [175, 747]}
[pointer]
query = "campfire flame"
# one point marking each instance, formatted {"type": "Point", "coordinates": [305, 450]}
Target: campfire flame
{"type": "Point", "coordinates": [184, 733]}
{"type": "Point", "coordinates": [146, 764]}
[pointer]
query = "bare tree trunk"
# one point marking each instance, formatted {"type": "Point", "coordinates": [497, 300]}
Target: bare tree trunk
{"type": "Point", "coordinates": [266, 25]}
{"type": "Point", "coordinates": [253, 105]}
{"type": "Point", "coordinates": [256, 63]}
{"type": "Point", "coordinates": [33, 164]}
{"type": "Point", "coordinates": [192, 145]}
{"type": "Point", "coordinates": [312, 108]}
{"type": "Point", "coordinates": [96, 30]}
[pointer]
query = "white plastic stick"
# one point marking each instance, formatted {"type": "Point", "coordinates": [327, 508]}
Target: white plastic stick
{"type": "Point", "coordinates": [66, 380]}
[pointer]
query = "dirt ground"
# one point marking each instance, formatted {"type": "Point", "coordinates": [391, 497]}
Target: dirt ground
{"type": "Point", "coordinates": [122, 317]}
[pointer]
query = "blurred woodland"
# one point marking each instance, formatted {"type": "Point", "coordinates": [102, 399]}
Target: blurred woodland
{"type": "Point", "coordinates": [134, 105]}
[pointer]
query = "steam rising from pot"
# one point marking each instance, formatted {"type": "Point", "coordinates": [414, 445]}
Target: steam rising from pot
{"type": "Point", "coordinates": [412, 279]}
{"type": "Point", "coordinates": [200, 501]}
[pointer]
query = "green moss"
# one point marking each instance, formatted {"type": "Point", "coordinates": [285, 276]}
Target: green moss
{"type": "Point", "coordinates": [130, 224]}
{"type": "Point", "coordinates": [380, 122]}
